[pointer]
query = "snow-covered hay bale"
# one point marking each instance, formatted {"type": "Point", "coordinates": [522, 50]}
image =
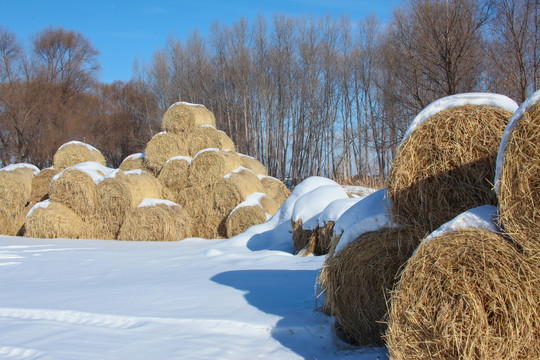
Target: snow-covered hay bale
{"type": "Point", "coordinates": [133, 162]}
{"type": "Point", "coordinates": [252, 211]}
{"type": "Point", "coordinates": [156, 220]}
{"type": "Point", "coordinates": [253, 164]}
{"type": "Point", "coordinates": [161, 148]}
{"type": "Point", "coordinates": [446, 163]}
{"type": "Point", "coordinates": [41, 183]}
{"type": "Point", "coordinates": [51, 220]}
{"type": "Point", "coordinates": [211, 165]}
{"type": "Point", "coordinates": [76, 152]}
{"type": "Point", "coordinates": [518, 176]}
{"type": "Point", "coordinates": [275, 188]}
{"type": "Point", "coordinates": [12, 194]}
{"type": "Point", "coordinates": [207, 137]}
{"type": "Point", "coordinates": [468, 294]}
{"type": "Point", "coordinates": [356, 282]}
{"type": "Point", "coordinates": [246, 179]}
{"type": "Point", "coordinates": [182, 117]}
{"type": "Point", "coordinates": [174, 175]}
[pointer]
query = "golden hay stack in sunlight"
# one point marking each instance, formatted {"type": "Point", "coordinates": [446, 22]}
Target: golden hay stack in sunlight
{"type": "Point", "coordinates": [161, 148]}
{"type": "Point", "coordinates": [242, 218]}
{"type": "Point", "coordinates": [206, 137]}
{"type": "Point", "coordinates": [211, 165]}
{"type": "Point", "coordinates": [133, 162]}
{"type": "Point", "coordinates": [156, 220]}
{"type": "Point", "coordinates": [469, 294]}
{"type": "Point", "coordinates": [76, 152]}
{"type": "Point", "coordinates": [184, 117]}
{"type": "Point", "coordinates": [12, 194]}
{"type": "Point", "coordinates": [356, 282]}
{"type": "Point", "coordinates": [274, 188]}
{"type": "Point", "coordinates": [41, 183]}
{"type": "Point", "coordinates": [446, 165]}
{"type": "Point", "coordinates": [519, 181]}
{"type": "Point", "coordinates": [253, 164]}
{"type": "Point", "coordinates": [51, 220]}
{"type": "Point", "coordinates": [174, 175]}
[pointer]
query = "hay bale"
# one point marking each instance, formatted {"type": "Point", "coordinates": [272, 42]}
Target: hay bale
{"type": "Point", "coordinates": [446, 165]}
{"type": "Point", "coordinates": [25, 174]}
{"type": "Point", "coordinates": [156, 220]}
{"type": "Point", "coordinates": [211, 165]}
{"type": "Point", "coordinates": [184, 117]}
{"type": "Point", "coordinates": [133, 162]}
{"type": "Point", "coordinates": [76, 152]}
{"type": "Point", "coordinates": [174, 174]}
{"type": "Point", "coordinates": [253, 164]}
{"type": "Point", "coordinates": [275, 188]}
{"type": "Point", "coordinates": [518, 176]}
{"type": "Point", "coordinates": [51, 220]}
{"type": "Point", "coordinates": [206, 137]}
{"type": "Point", "coordinates": [12, 194]}
{"type": "Point", "coordinates": [5, 223]}
{"type": "Point", "coordinates": [162, 147]}
{"type": "Point", "coordinates": [469, 294]}
{"type": "Point", "coordinates": [356, 282]}
{"type": "Point", "coordinates": [252, 211]}
{"type": "Point", "coordinates": [41, 183]}
{"type": "Point", "coordinates": [197, 203]}
{"type": "Point", "coordinates": [247, 180]}
{"type": "Point", "coordinates": [18, 223]}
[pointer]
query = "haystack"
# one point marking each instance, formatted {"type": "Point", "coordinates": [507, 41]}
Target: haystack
{"type": "Point", "coordinates": [156, 220]}
{"type": "Point", "coordinates": [162, 147]}
{"type": "Point", "coordinates": [210, 165]}
{"type": "Point", "coordinates": [253, 164]}
{"type": "Point", "coordinates": [174, 175]}
{"type": "Point", "coordinates": [356, 282]}
{"type": "Point", "coordinates": [518, 176]}
{"type": "Point", "coordinates": [41, 183]}
{"type": "Point", "coordinates": [469, 294]}
{"type": "Point", "coordinates": [12, 194]}
{"type": "Point", "coordinates": [184, 117]}
{"type": "Point", "coordinates": [76, 152]}
{"type": "Point", "coordinates": [274, 188]}
{"type": "Point", "coordinates": [51, 220]}
{"type": "Point", "coordinates": [446, 163]}
{"type": "Point", "coordinates": [253, 211]}
{"type": "Point", "coordinates": [133, 162]}
{"type": "Point", "coordinates": [206, 137]}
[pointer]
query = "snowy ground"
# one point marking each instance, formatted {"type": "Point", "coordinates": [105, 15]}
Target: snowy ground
{"type": "Point", "coordinates": [243, 298]}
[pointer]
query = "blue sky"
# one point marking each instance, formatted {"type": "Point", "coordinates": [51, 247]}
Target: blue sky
{"type": "Point", "coordinates": [123, 30]}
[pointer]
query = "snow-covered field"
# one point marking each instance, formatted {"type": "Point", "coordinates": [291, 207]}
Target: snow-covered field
{"type": "Point", "coordinates": [243, 298]}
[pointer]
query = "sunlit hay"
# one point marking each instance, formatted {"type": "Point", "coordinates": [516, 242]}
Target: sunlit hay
{"type": "Point", "coordinates": [356, 282]}
{"type": "Point", "coordinates": [302, 238]}
{"type": "Point", "coordinates": [244, 217]}
{"type": "Point", "coordinates": [174, 174]}
{"type": "Point", "coordinates": [197, 203]}
{"type": "Point", "coordinates": [156, 220]}
{"type": "Point", "coordinates": [53, 220]}
{"type": "Point", "coordinates": [211, 165]}
{"type": "Point", "coordinates": [76, 152]}
{"type": "Point", "coordinates": [269, 205]}
{"type": "Point", "coordinates": [248, 182]}
{"type": "Point", "coordinates": [224, 196]}
{"type": "Point", "coordinates": [182, 117]}
{"type": "Point", "coordinates": [12, 194]}
{"type": "Point", "coordinates": [274, 188]}
{"type": "Point", "coordinates": [133, 162]}
{"type": "Point", "coordinates": [206, 137]}
{"type": "Point", "coordinates": [519, 183]}
{"type": "Point", "coordinates": [253, 164]}
{"type": "Point", "coordinates": [469, 294]}
{"type": "Point", "coordinates": [446, 166]}
{"type": "Point", "coordinates": [25, 174]}
{"type": "Point", "coordinates": [41, 183]}
{"type": "Point", "coordinates": [5, 223]}
{"type": "Point", "coordinates": [161, 148]}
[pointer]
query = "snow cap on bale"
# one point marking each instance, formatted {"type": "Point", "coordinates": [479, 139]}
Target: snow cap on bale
{"type": "Point", "coordinates": [446, 162]}
{"type": "Point", "coordinates": [156, 220]}
{"type": "Point", "coordinates": [76, 152]}
{"type": "Point", "coordinates": [51, 220]}
{"type": "Point", "coordinates": [174, 175]}
{"type": "Point", "coordinates": [183, 117]}
{"type": "Point", "coordinates": [247, 214]}
{"type": "Point", "coordinates": [162, 147]}
{"type": "Point", "coordinates": [41, 183]}
{"type": "Point", "coordinates": [274, 188]}
{"type": "Point", "coordinates": [247, 180]}
{"type": "Point", "coordinates": [207, 137]}
{"type": "Point", "coordinates": [211, 165]}
{"type": "Point", "coordinates": [517, 179]}
{"type": "Point", "coordinates": [22, 174]}
{"type": "Point", "coordinates": [133, 162]}
{"type": "Point", "coordinates": [467, 294]}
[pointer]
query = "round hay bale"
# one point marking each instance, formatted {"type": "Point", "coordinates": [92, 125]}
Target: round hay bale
{"type": "Point", "coordinates": [223, 196]}
{"type": "Point", "coordinates": [211, 165]}
{"type": "Point", "coordinates": [274, 188]}
{"type": "Point", "coordinates": [25, 174]}
{"type": "Point", "coordinates": [469, 294]}
{"type": "Point", "coordinates": [51, 220]}
{"type": "Point", "coordinates": [518, 176]}
{"type": "Point", "coordinates": [248, 182]}
{"type": "Point", "coordinates": [161, 148]}
{"type": "Point", "coordinates": [156, 220]}
{"type": "Point", "coordinates": [133, 162]}
{"type": "Point", "coordinates": [356, 282]}
{"type": "Point", "coordinates": [184, 117]}
{"type": "Point", "coordinates": [76, 152]}
{"type": "Point", "coordinates": [174, 174]}
{"type": "Point", "coordinates": [253, 164]}
{"type": "Point", "coordinates": [196, 203]}
{"type": "Point", "coordinates": [12, 194]}
{"type": "Point", "coordinates": [446, 165]}
{"type": "Point", "coordinates": [41, 183]}
{"type": "Point", "coordinates": [244, 217]}
{"type": "Point", "coordinates": [206, 137]}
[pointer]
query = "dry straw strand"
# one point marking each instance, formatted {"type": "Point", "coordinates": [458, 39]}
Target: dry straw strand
{"type": "Point", "coordinates": [76, 152]}
{"type": "Point", "coordinates": [184, 117]}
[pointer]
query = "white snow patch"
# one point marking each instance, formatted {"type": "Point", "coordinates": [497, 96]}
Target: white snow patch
{"type": "Point", "coordinates": [40, 205]}
{"type": "Point", "coordinates": [12, 167]}
{"type": "Point", "coordinates": [153, 202]}
{"type": "Point", "coordinates": [208, 126]}
{"type": "Point", "coordinates": [205, 150]}
{"type": "Point", "coordinates": [183, 103]}
{"type": "Point", "coordinates": [80, 143]}
{"type": "Point", "coordinates": [93, 169]}
{"type": "Point", "coordinates": [336, 208]}
{"type": "Point", "coordinates": [135, 172]}
{"type": "Point", "coordinates": [236, 171]}
{"type": "Point", "coordinates": [185, 158]}
{"type": "Point", "coordinates": [252, 200]}
{"type": "Point", "coordinates": [135, 156]}
{"type": "Point", "coordinates": [356, 190]}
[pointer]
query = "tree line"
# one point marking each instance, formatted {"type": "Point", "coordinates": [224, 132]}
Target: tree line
{"type": "Point", "coordinates": [307, 96]}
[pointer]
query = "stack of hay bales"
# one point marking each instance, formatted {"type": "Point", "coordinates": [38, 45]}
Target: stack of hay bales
{"type": "Point", "coordinates": [444, 166]}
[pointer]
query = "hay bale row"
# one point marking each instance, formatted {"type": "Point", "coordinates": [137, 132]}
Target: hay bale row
{"type": "Point", "coordinates": [76, 152]}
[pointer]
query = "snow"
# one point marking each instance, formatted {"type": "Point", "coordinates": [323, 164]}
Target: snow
{"type": "Point", "coordinates": [80, 143]}
{"type": "Point", "coordinates": [208, 126]}
{"type": "Point", "coordinates": [153, 202]}
{"type": "Point", "coordinates": [451, 101]}
{"type": "Point", "coordinates": [12, 167]}
{"type": "Point", "coordinates": [134, 172]}
{"type": "Point", "coordinates": [369, 214]}
{"type": "Point", "coordinates": [518, 114]}
{"type": "Point", "coordinates": [185, 158]}
{"type": "Point", "coordinates": [40, 205]}
{"type": "Point", "coordinates": [135, 156]}
{"type": "Point", "coordinates": [236, 171]}
{"type": "Point", "coordinates": [183, 103]}
{"type": "Point", "coordinates": [336, 208]}
{"type": "Point", "coordinates": [93, 169]}
{"type": "Point", "coordinates": [205, 150]}
{"type": "Point", "coordinates": [252, 200]}
{"type": "Point", "coordinates": [356, 190]}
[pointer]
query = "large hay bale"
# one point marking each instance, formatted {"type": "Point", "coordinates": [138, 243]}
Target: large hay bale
{"type": "Point", "coordinates": [156, 220]}
{"type": "Point", "coordinates": [133, 162]}
{"type": "Point", "coordinates": [206, 137]}
{"type": "Point", "coordinates": [51, 220]}
{"type": "Point", "coordinates": [25, 174]}
{"type": "Point", "coordinates": [253, 164]}
{"type": "Point", "coordinates": [446, 165]}
{"type": "Point", "coordinates": [161, 148]}
{"type": "Point", "coordinates": [174, 175]}
{"type": "Point", "coordinates": [469, 294]}
{"type": "Point", "coordinates": [12, 194]}
{"type": "Point", "coordinates": [211, 165]}
{"type": "Point", "coordinates": [41, 183]}
{"type": "Point", "coordinates": [197, 203]}
{"type": "Point", "coordinates": [76, 152]}
{"type": "Point", "coordinates": [518, 176]}
{"type": "Point", "coordinates": [184, 117]}
{"type": "Point", "coordinates": [356, 282]}
{"type": "Point", "coordinates": [247, 180]}
{"type": "Point", "coordinates": [274, 188]}
{"type": "Point", "coordinates": [250, 212]}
